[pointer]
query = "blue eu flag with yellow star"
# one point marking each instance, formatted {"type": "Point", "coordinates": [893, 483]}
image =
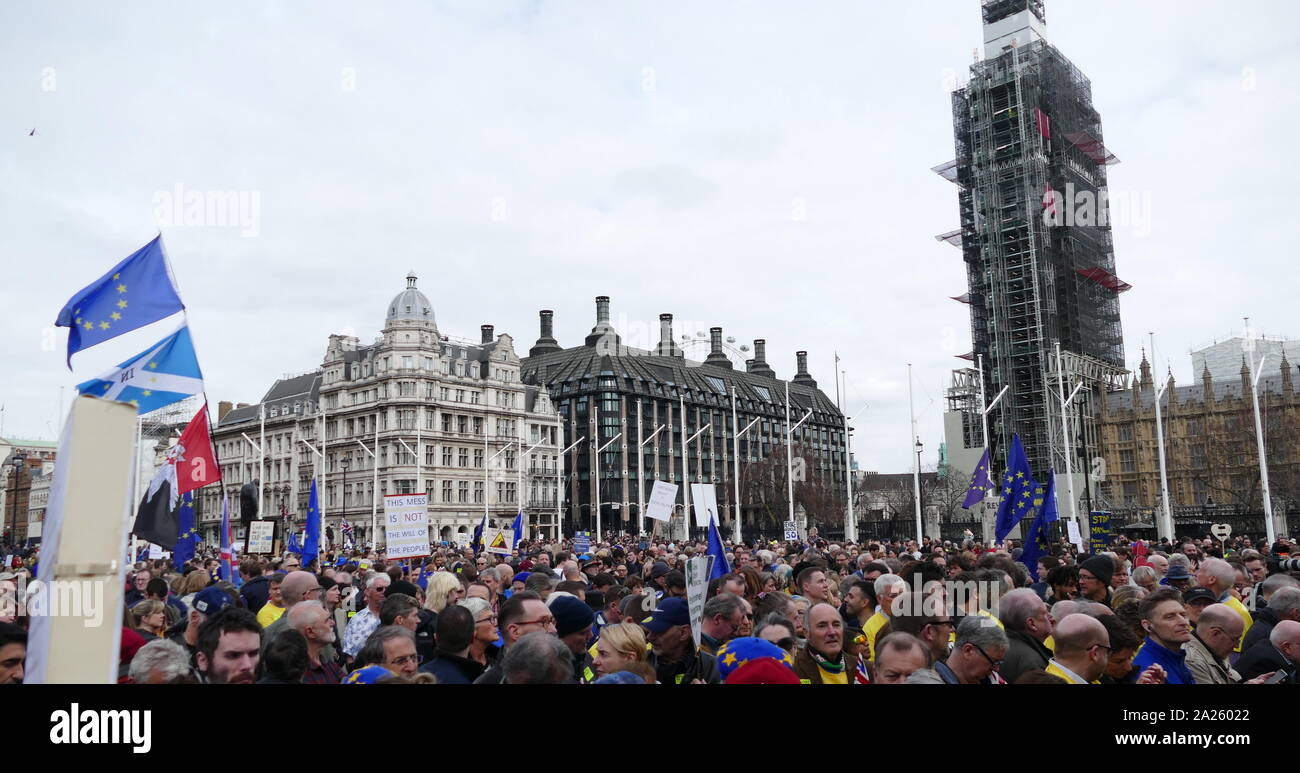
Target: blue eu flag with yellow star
{"type": "Point", "coordinates": [134, 293]}
{"type": "Point", "coordinates": [1036, 541]}
{"type": "Point", "coordinates": [980, 483]}
{"type": "Point", "coordinates": [1017, 490]}
{"type": "Point", "coordinates": [311, 541]}
{"type": "Point", "coordinates": [189, 533]}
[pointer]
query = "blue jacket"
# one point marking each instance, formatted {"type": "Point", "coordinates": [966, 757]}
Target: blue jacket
{"type": "Point", "coordinates": [1174, 663]}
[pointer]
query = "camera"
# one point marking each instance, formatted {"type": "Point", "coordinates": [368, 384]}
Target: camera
{"type": "Point", "coordinates": [1276, 565]}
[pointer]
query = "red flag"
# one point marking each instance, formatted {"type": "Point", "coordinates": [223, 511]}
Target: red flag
{"type": "Point", "coordinates": [1044, 123]}
{"type": "Point", "coordinates": [196, 462]}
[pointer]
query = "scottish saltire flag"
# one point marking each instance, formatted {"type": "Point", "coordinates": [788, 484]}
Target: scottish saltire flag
{"type": "Point", "coordinates": [189, 536]}
{"type": "Point", "coordinates": [134, 293]}
{"type": "Point", "coordinates": [980, 483]}
{"type": "Point", "coordinates": [224, 568]}
{"type": "Point", "coordinates": [715, 549]}
{"type": "Point", "coordinates": [1036, 541]}
{"type": "Point", "coordinates": [167, 372]}
{"type": "Point", "coordinates": [518, 528]}
{"type": "Point", "coordinates": [311, 542]}
{"type": "Point", "coordinates": [1017, 490]}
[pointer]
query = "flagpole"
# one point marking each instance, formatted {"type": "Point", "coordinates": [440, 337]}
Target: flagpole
{"type": "Point", "coordinates": [374, 494]}
{"type": "Point", "coordinates": [261, 463]}
{"type": "Point", "coordinates": [640, 472]}
{"type": "Point", "coordinates": [320, 494]}
{"type": "Point", "coordinates": [916, 468]}
{"type": "Point", "coordinates": [735, 467]}
{"type": "Point", "coordinates": [1065, 433]}
{"type": "Point", "coordinates": [1267, 498]}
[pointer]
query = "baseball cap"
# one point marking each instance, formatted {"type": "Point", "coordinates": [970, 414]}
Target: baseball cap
{"type": "Point", "coordinates": [211, 600]}
{"type": "Point", "coordinates": [1199, 595]}
{"type": "Point", "coordinates": [671, 612]}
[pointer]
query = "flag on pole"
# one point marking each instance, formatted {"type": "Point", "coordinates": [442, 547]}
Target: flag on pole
{"type": "Point", "coordinates": [518, 528]}
{"type": "Point", "coordinates": [311, 542]}
{"type": "Point", "coordinates": [1018, 488]}
{"type": "Point", "coordinates": [224, 568]}
{"type": "Point", "coordinates": [189, 535]}
{"type": "Point", "coordinates": [134, 293]}
{"type": "Point", "coordinates": [1036, 541]}
{"type": "Point", "coordinates": [196, 461]}
{"type": "Point", "coordinates": [980, 483]}
{"type": "Point", "coordinates": [294, 545]}
{"type": "Point", "coordinates": [720, 565]}
{"type": "Point", "coordinates": [167, 372]}
{"type": "Point", "coordinates": [346, 528]}
{"type": "Point", "coordinates": [157, 518]}
{"type": "Point", "coordinates": [476, 543]}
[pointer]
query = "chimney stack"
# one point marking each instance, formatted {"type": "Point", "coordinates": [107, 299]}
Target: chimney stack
{"type": "Point", "coordinates": [749, 366]}
{"type": "Point", "coordinates": [760, 359]}
{"type": "Point", "coordinates": [603, 333]}
{"type": "Point", "coordinates": [223, 407]}
{"type": "Point", "coordinates": [546, 342]}
{"type": "Point", "coordinates": [716, 358]}
{"type": "Point", "coordinates": [802, 376]}
{"type": "Point", "coordinates": [667, 346]}
{"type": "Point", "coordinates": [487, 334]}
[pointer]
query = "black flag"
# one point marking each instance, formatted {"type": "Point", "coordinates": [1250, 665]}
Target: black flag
{"type": "Point", "coordinates": [158, 517]}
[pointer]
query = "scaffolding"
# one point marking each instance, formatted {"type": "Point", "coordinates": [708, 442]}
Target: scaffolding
{"type": "Point", "coordinates": [1035, 282]}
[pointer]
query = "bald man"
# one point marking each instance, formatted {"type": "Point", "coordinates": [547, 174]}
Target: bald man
{"type": "Point", "coordinates": [1217, 631]}
{"type": "Point", "coordinates": [1279, 652]}
{"type": "Point", "coordinates": [1082, 650]}
{"type": "Point", "coordinates": [296, 588]}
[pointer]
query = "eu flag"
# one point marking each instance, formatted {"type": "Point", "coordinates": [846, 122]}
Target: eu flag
{"type": "Point", "coordinates": [518, 528]}
{"type": "Point", "coordinates": [720, 566]}
{"type": "Point", "coordinates": [134, 293]}
{"type": "Point", "coordinates": [294, 545]}
{"type": "Point", "coordinates": [980, 483]}
{"type": "Point", "coordinates": [311, 542]}
{"type": "Point", "coordinates": [165, 373]}
{"type": "Point", "coordinates": [1017, 491]}
{"type": "Point", "coordinates": [189, 536]}
{"type": "Point", "coordinates": [1036, 545]}
{"type": "Point", "coordinates": [477, 542]}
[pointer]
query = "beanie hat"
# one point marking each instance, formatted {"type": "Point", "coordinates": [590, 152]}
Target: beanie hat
{"type": "Point", "coordinates": [738, 652]}
{"type": "Point", "coordinates": [1101, 567]}
{"type": "Point", "coordinates": [763, 671]}
{"type": "Point", "coordinates": [571, 615]}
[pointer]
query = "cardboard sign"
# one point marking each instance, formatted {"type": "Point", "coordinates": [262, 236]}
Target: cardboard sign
{"type": "Point", "coordinates": [406, 525]}
{"type": "Point", "coordinates": [662, 497]}
{"type": "Point", "coordinates": [499, 541]}
{"type": "Point", "coordinates": [704, 502]}
{"type": "Point", "coordinates": [697, 586]}
{"type": "Point", "coordinates": [1075, 537]}
{"type": "Point", "coordinates": [791, 531]}
{"type": "Point", "coordinates": [261, 534]}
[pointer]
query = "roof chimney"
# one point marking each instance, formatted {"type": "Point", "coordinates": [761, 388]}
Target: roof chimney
{"type": "Point", "coordinates": [716, 358]}
{"type": "Point", "coordinates": [802, 376]}
{"type": "Point", "coordinates": [223, 407]}
{"type": "Point", "coordinates": [603, 333]}
{"type": "Point", "coordinates": [667, 346]}
{"type": "Point", "coordinates": [546, 342]}
{"type": "Point", "coordinates": [487, 334]}
{"type": "Point", "coordinates": [760, 359]}
{"type": "Point", "coordinates": [749, 366]}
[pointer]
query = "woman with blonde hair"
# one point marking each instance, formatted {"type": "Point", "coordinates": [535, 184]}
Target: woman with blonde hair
{"type": "Point", "coordinates": [444, 588]}
{"type": "Point", "coordinates": [619, 646]}
{"type": "Point", "coordinates": [195, 581]}
{"type": "Point", "coordinates": [151, 618]}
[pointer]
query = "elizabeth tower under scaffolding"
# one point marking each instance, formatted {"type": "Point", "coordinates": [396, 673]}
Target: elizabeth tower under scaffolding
{"type": "Point", "coordinates": [1035, 236]}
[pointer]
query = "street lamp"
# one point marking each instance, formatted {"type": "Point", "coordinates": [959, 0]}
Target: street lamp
{"type": "Point", "coordinates": [916, 488]}
{"type": "Point", "coordinates": [345, 463]}
{"type": "Point", "coordinates": [19, 458]}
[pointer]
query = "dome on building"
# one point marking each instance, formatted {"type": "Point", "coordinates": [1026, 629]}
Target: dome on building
{"type": "Point", "coordinates": [410, 305]}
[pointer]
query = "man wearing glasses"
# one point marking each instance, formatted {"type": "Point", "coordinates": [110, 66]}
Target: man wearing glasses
{"type": "Point", "coordinates": [521, 614]}
{"type": "Point", "coordinates": [1082, 650]}
{"type": "Point", "coordinates": [366, 621]}
{"type": "Point", "coordinates": [977, 654]}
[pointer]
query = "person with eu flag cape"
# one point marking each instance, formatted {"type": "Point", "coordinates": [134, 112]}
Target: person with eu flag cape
{"type": "Point", "coordinates": [1017, 491]}
{"type": "Point", "coordinates": [132, 294]}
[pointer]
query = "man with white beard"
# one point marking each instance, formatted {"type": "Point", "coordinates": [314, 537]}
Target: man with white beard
{"type": "Point", "coordinates": [313, 621]}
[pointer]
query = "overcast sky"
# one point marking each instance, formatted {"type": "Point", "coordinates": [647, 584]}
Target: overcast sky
{"type": "Point", "coordinates": [762, 166]}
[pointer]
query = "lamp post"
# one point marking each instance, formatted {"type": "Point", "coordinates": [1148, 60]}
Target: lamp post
{"type": "Point", "coordinates": [916, 489]}
{"type": "Point", "coordinates": [19, 458]}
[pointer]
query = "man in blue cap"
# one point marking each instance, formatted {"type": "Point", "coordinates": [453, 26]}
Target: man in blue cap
{"type": "Point", "coordinates": [206, 603]}
{"type": "Point", "coordinates": [674, 657]}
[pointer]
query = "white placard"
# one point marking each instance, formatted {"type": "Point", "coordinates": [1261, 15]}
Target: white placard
{"type": "Point", "coordinates": [406, 525]}
{"type": "Point", "coordinates": [1073, 528]}
{"type": "Point", "coordinates": [155, 551]}
{"type": "Point", "coordinates": [1221, 531]}
{"type": "Point", "coordinates": [261, 535]}
{"type": "Point", "coordinates": [697, 586]}
{"type": "Point", "coordinates": [662, 497]}
{"type": "Point", "coordinates": [704, 501]}
{"type": "Point", "coordinates": [499, 541]}
{"type": "Point", "coordinates": [791, 531]}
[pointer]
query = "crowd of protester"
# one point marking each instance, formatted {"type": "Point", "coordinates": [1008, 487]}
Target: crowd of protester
{"type": "Point", "coordinates": [1195, 611]}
